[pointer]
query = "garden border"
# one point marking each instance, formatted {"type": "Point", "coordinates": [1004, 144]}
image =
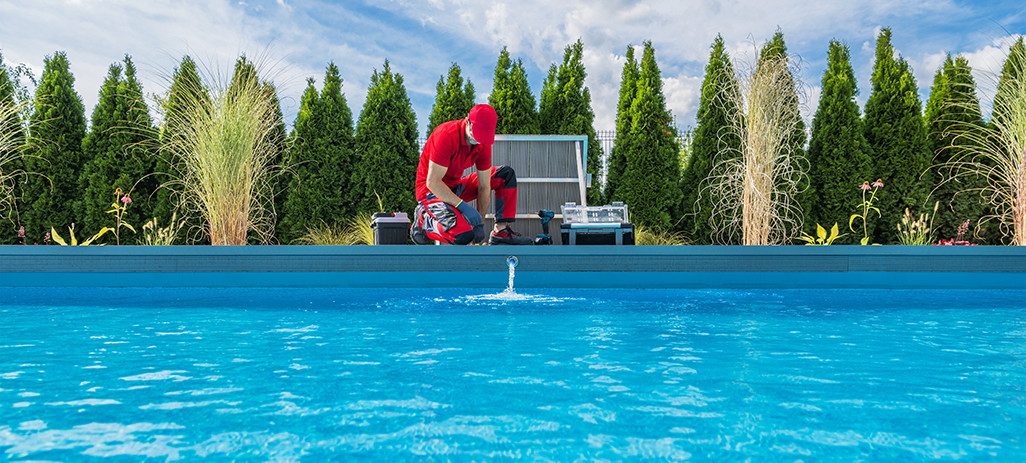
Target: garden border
{"type": "Point", "coordinates": [642, 267]}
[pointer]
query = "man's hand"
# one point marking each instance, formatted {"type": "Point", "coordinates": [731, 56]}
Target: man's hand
{"type": "Point", "coordinates": [470, 214]}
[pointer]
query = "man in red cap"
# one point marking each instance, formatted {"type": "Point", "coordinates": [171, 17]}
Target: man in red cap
{"type": "Point", "coordinates": [443, 212]}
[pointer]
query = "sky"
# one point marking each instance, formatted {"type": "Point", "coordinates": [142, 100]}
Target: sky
{"type": "Point", "coordinates": [294, 40]}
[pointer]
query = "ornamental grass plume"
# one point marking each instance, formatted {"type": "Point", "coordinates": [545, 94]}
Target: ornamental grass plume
{"type": "Point", "coordinates": [223, 151]}
{"type": "Point", "coordinates": [756, 189]}
{"type": "Point", "coordinates": [913, 231]}
{"type": "Point", "coordinates": [997, 151]}
{"type": "Point", "coordinates": [357, 231]}
{"type": "Point", "coordinates": [645, 236]}
{"type": "Point", "coordinates": [12, 142]}
{"type": "Point", "coordinates": [154, 235]}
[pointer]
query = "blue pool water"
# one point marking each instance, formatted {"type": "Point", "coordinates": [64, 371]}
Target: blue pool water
{"type": "Point", "coordinates": [471, 375]}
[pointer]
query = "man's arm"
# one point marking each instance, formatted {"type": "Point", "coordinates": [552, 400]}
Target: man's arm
{"type": "Point", "coordinates": [435, 184]}
{"type": "Point", "coordinates": [484, 190]}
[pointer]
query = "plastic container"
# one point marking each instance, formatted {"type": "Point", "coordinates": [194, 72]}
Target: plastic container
{"type": "Point", "coordinates": [597, 234]}
{"type": "Point", "coordinates": [614, 213]}
{"type": "Point", "coordinates": [390, 227]}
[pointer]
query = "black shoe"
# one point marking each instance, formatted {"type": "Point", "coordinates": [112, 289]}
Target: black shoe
{"type": "Point", "coordinates": [508, 236]}
{"type": "Point", "coordinates": [419, 237]}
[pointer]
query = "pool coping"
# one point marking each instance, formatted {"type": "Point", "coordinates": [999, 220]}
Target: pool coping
{"type": "Point", "coordinates": [639, 267]}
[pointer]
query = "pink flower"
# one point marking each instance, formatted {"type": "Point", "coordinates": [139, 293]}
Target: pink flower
{"type": "Point", "coordinates": [126, 199]}
{"type": "Point", "coordinates": [878, 183]}
{"type": "Point", "coordinates": [21, 232]}
{"type": "Point", "coordinates": [865, 186]}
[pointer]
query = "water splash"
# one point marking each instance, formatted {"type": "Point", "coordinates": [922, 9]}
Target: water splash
{"type": "Point", "coordinates": [512, 262]}
{"type": "Point", "coordinates": [512, 273]}
{"type": "Point", "coordinates": [509, 294]}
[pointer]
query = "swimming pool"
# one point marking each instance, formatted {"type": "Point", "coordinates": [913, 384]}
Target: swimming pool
{"type": "Point", "coordinates": [543, 374]}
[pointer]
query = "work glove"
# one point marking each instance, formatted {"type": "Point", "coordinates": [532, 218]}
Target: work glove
{"type": "Point", "coordinates": [479, 234]}
{"type": "Point", "coordinates": [470, 213]}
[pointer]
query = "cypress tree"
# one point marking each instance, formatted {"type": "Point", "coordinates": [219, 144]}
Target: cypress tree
{"type": "Point", "coordinates": [118, 157]}
{"type": "Point", "coordinates": [548, 111]}
{"type": "Point", "coordinates": [650, 179]}
{"type": "Point", "coordinates": [512, 98]}
{"type": "Point", "coordinates": [776, 48]}
{"type": "Point", "coordinates": [185, 86]}
{"type": "Point", "coordinates": [712, 139]}
{"type": "Point", "coordinates": [622, 144]}
{"type": "Point", "coordinates": [1010, 73]}
{"type": "Point", "coordinates": [7, 87]}
{"type": "Point", "coordinates": [386, 147]}
{"type": "Point", "coordinates": [896, 134]}
{"type": "Point", "coordinates": [280, 165]}
{"type": "Point", "coordinates": [565, 109]}
{"type": "Point", "coordinates": [323, 157]}
{"type": "Point", "coordinates": [57, 128]}
{"type": "Point", "coordinates": [953, 105]}
{"type": "Point", "coordinates": [839, 158]}
{"type": "Point", "coordinates": [453, 100]}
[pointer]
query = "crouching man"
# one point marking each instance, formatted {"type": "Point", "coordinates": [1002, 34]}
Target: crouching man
{"type": "Point", "coordinates": [443, 211]}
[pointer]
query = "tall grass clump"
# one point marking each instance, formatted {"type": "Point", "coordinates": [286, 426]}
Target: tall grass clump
{"type": "Point", "coordinates": [222, 151]}
{"type": "Point", "coordinates": [756, 189]}
{"type": "Point", "coordinates": [644, 236]}
{"type": "Point", "coordinates": [997, 151]}
{"type": "Point", "coordinates": [357, 232]}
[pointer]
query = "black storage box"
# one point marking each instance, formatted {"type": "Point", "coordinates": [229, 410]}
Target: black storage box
{"type": "Point", "coordinates": [602, 234]}
{"type": "Point", "coordinates": [390, 227]}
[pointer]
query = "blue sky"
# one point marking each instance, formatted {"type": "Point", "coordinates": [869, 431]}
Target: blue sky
{"type": "Point", "coordinates": [295, 39]}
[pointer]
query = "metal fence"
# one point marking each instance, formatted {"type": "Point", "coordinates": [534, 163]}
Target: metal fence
{"type": "Point", "coordinates": [606, 139]}
{"type": "Point", "coordinates": [550, 172]}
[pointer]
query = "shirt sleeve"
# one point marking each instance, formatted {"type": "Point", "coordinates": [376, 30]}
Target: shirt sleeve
{"type": "Point", "coordinates": [484, 158]}
{"type": "Point", "coordinates": [441, 148]}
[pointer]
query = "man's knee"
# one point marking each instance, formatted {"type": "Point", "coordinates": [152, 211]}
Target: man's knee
{"type": "Point", "coordinates": [463, 238]}
{"type": "Point", "coordinates": [508, 176]}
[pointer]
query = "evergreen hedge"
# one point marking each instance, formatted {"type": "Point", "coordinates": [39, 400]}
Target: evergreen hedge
{"type": "Point", "coordinates": [323, 155]}
{"type": "Point", "coordinates": [185, 86]}
{"type": "Point", "coordinates": [839, 158]}
{"type": "Point", "coordinates": [565, 109]}
{"type": "Point", "coordinates": [775, 48]}
{"type": "Point", "coordinates": [118, 154]}
{"type": "Point", "coordinates": [649, 184]}
{"type": "Point", "coordinates": [453, 99]}
{"type": "Point", "coordinates": [54, 160]}
{"type": "Point", "coordinates": [953, 105]}
{"type": "Point", "coordinates": [512, 99]}
{"type": "Point", "coordinates": [622, 143]}
{"type": "Point", "coordinates": [713, 139]}
{"type": "Point", "coordinates": [1009, 73]}
{"type": "Point", "coordinates": [386, 147]}
{"type": "Point", "coordinates": [896, 134]}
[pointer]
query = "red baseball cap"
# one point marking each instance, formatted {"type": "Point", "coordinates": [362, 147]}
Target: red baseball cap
{"type": "Point", "coordinates": [482, 121]}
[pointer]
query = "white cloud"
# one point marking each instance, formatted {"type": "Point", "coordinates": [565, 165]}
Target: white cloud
{"type": "Point", "coordinates": [811, 103]}
{"type": "Point", "coordinates": [421, 38]}
{"type": "Point", "coordinates": [155, 33]}
{"type": "Point", "coordinates": [682, 97]}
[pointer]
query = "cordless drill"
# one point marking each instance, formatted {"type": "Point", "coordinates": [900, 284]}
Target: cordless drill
{"type": "Point", "coordinates": [545, 238]}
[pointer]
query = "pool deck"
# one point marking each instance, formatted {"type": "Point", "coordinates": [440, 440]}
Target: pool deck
{"type": "Point", "coordinates": [641, 267]}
